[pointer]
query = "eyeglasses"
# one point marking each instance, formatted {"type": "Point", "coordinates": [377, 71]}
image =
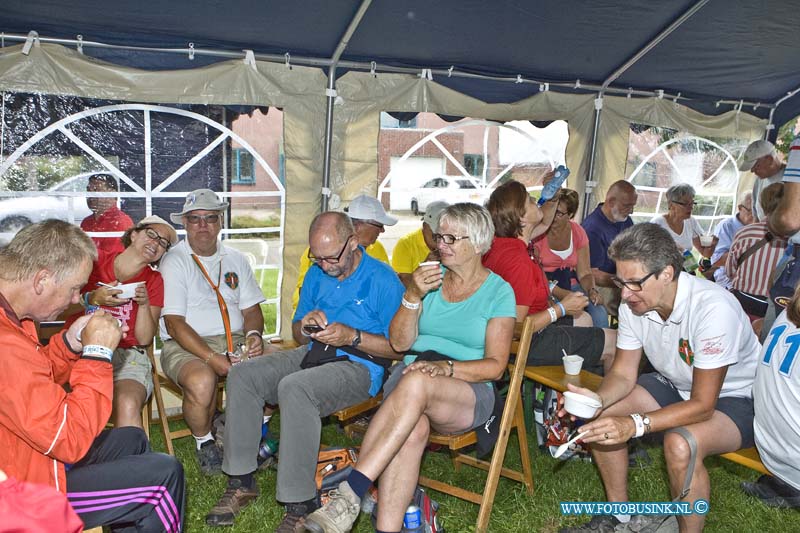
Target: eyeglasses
{"type": "Point", "coordinates": [373, 223]}
{"type": "Point", "coordinates": [560, 213]}
{"type": "Point", "coordinates": [153, 235]}
{"type": "Point", "coordinates": [208, 219]}
{"type": "Point", "coordinates": [684, 204]}
{"type": "Point", "coordinates": [448, 238]}
{"type": "Point", "coordinates": [332, 259]}
{"type": "Point", "coordinates": [745, 208]}
{"type": "Point", "coordinates": [634, 285]}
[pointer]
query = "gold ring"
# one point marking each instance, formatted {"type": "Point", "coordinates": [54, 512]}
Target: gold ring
{"type": "Point", "coordinates": [605, 435]}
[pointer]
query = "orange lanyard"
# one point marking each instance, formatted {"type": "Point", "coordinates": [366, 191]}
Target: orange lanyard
{"type": "Point", "coordinates": [223, 307]}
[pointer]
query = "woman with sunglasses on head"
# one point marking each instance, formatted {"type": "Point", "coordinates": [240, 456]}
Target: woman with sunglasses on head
{"type": "Point", "coordinates": [144, 244]}
{"type": "Point", "coordinates": [679, 222]}
{"type": "Point", "coordinates": [564, 256]}
{"type": "Point", "coordinates": [455, 324]}
{"type": "Point", "coordinates": [517, 219]}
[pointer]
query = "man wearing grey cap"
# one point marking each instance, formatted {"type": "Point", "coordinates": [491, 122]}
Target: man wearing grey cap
{"type": "Point", "coordinates": [418, 246]}
{"type": "Point", "coordinates": [762, 159]}
{"type": "Point", "coordinates": [369, 219]}
{"type": "Point", "coordinates": [211, 299]}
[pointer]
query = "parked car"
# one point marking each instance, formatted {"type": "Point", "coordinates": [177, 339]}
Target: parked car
{"type": "Point", "coordinates": [450, 189]}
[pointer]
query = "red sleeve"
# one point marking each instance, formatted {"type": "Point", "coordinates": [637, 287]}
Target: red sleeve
{"type": "Point", "coordinates": [36, 508]}
{"type": "Point", "coordinates": [155, 290]}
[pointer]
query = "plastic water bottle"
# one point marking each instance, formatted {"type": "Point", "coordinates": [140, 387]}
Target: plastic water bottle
{"type": "Point", "coordinates": [268, 448]}
{"type": "Point", "coordinates": [689, 262]}
{"type": "Point", "coordinates": [412, 521]}
{"type": "Point", "coordinates": [550, 190]}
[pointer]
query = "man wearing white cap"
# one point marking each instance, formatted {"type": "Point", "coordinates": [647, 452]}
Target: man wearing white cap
{"type": "Point", "coordinates": [762, 159]}
{"type": "Point", "coordinates": [369, 219]}
{"type": "Point", "coordinates": [418, 246]}
{"type": "Point", "coordinates": [211, 299]}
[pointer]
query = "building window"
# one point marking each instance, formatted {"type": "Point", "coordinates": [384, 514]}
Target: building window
{"type": "Point", "coordinates": [388, 121]}
{"type": "Point", "coordinates": [243, 166]}
{"type": "Point", "coordinates": [473, 164]}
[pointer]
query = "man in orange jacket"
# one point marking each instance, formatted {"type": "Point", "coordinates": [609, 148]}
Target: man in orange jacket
{"type": "Point", "coordinates": [51, 436]}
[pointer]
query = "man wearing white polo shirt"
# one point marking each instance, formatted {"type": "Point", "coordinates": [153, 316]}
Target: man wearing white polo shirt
{"type": "Point", "coordinates": [704, 351]}
{"type": "Point", "coordinates": [211, 299]}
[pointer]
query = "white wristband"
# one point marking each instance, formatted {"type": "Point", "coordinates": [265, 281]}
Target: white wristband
{"type": "Point", "coordinates": [637, 419]}
{"type": "Point", "coordinates": [553, 316]}
{"type": "Point", "coordinates": [253, 332]}
{"type": "Point", "coordinates": [409, 305]}
{"type": "Point", "coordinates": [95, 351]}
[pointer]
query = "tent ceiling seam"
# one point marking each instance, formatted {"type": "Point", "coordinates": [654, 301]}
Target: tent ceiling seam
{"type": "Point", "coordinates": [378, 67]}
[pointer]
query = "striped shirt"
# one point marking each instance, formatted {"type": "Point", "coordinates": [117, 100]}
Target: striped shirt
{"type": "Point", "coordinates": [792, 172]}
{"type": "Point", "coordinates": [752, 276]}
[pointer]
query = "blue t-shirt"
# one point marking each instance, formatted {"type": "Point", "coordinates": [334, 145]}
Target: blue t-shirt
{"type": "Point", "coordinates": [458, 329]}
{"type": "Point", "coordinates": [367, 300]}
{"type": "Point", "coordinates": [725, 232]}
{"type": "Point", "coordinates": [601, 231]}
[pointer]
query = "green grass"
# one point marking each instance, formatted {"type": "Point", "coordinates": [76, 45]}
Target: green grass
{"type": "Point", "coordinates": [270, 289]}
{"type": "Point", "coordinates": [514, 510]}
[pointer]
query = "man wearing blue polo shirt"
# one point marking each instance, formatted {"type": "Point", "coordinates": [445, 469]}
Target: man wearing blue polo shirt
{"type": "Point", "coordinates": [342, 322]}
{"type": "Point", "coordinates": [602, 225]}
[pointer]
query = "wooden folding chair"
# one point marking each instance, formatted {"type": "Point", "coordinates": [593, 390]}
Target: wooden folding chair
{"type": "Point", "coordinates": [161, 381]}
{"type": "Point", "coordinates": [512, 418]}
{"type": "Point", "coordinates": [349, 417]}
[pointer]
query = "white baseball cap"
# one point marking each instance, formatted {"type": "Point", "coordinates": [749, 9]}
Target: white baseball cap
{"type": "Point", "coordinates": [364, 207]}
{"type": "Point", "coordinates": [432, 213]}
{"type": "Point", "coordinates": [755, 151]}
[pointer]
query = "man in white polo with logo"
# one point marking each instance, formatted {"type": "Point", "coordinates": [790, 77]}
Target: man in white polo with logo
{"type": "Point", "coordinates": [211, 306]}
{"type": "Point", "coordinates": [762, 159]}
{"type": "Point", "coordinates": [705, 354]}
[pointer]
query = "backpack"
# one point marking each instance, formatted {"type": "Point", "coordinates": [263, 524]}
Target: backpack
{"type": "Point", "coordinates": [429, 510]}
{"type": "Point", "coordinates": [333, 467]}
{"type": "Point", "coordinates": [783, 287]}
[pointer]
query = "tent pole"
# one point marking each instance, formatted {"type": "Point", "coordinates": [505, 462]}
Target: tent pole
{"type": "Point", "coordinates": [587, 194]}
{"type": "Point", "coordinates": [330, 94]}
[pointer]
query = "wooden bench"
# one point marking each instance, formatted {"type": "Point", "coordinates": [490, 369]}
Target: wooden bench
{"type": "Point", "coordinates": [555, 378]}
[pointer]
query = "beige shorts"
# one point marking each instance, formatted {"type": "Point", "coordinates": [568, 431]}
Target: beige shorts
{"type": "Point", "coordinates": [133, 364]}
{"type": "Point", "coordinates": [174, 356]}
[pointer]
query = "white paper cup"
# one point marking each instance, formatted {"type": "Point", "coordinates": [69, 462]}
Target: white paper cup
{"type": "Point", "coordinates": [428, 263]}
{"type": "Point", "coordinates": [706, 240]}
{"type": "Point", "coordinates": [580, 405]}
{"type": "Point", "coordinates": [128, 289]}
{"type": "Point", "coordinates": [572, 364]}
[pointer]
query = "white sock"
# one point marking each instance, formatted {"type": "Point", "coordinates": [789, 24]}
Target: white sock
{"type": "Point", "coordinates": [623, 518]}
{"type": "Point", "coordinates": [266, 419]}
{"type": "Point", "coordinates": [199, 441]}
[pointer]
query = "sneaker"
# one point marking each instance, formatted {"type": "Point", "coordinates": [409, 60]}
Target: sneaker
{"type": "Point", "coordinates": [773, 492]}
{"type": "Point", "coordinates": [649, 524]}
{"type": "Point", "coordinates": [232, 501]}
{"type": "Point", "coordinates": [338, 515]}
{"type": "Point", "coordinates": [598, 524]}
{"type": "Point", "coordinates": [292, 523]}
{"type": "Point", "coordinates": [209, 457]}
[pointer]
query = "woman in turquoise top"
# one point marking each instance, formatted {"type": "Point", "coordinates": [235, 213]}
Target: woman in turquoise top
{"type": "Point", "coordinates": [462, 311]}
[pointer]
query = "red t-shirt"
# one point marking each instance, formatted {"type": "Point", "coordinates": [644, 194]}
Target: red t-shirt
{"type": "Point", "coordinates": [551, 261]}
{"type": "Point", "coordinates": [111, 220]}
{"type": "Point", "coordinates": [103, 270]}
{"type": "Point", "coordinates": [508, 258]}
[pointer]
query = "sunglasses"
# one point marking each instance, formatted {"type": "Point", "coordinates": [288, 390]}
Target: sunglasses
{"type": "Point", "coordinates": [334, 259]}
{"type": "Point", "coordinates": [208, 219]}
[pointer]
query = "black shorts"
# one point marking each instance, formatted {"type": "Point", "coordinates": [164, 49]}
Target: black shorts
{"type": "Point", "coordinates": [546, 346]}
{"type": "Point", "coordinates": [737, 408]}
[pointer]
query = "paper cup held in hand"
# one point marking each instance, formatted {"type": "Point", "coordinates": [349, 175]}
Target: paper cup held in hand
{"type": "Point", "coordinates": [572, 364]}
{"type": "Point", "coordinates": [128, 289]}
{"type": "Point", "coordinates": [580, 405]}
{"type": "Point", "coordinates": [706, 240]}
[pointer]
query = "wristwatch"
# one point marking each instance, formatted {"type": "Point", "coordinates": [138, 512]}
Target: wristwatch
{"type": "Point", "coordinates": [357, 339]}
{"type": "Point", "coordinates": [646, 422]}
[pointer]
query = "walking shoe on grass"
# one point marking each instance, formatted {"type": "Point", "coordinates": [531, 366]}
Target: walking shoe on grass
{"type": "Point", "coordinates": [209, 457]}
{"type": "Point", "coordinates": [649, 524]}
{"type": "Point", "coordinates": [773, 492]}
{"type": "Point", "coordinates": [338, 515]}
{"type": "Point", "coordinates": [598, 524]}
{"type": "Point", "coordinates": [235, 498]}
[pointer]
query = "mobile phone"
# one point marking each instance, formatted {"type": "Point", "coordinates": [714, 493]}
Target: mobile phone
{"type": "Point", "coordinates": [312, 328]}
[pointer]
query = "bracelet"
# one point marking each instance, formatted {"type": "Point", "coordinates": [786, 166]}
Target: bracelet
{"type": "Point", "coordinates": [207, 359]}
{"type": "Point", "coordinates": [552, 312]}
{"type": "Point", "coordinates": [637, 420]}
{"type": "Point", "coordinates": [452, 368]}
{"type": "Point", "coordinates": [253, 332]}
{"type": "Point", "coordinates": [85, 300]}
{"type": "Point", "coordinates": [409, 305]}
{"type": "Point", "coordinates": [95, 351]}
{"type": "Point", "coordinates": [561, 306]}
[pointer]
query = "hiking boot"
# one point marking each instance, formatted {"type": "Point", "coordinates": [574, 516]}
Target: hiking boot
{"type": "Point", "coordinates": [232, 501]}
{"type": "Point", "coordinates": [598, 524]}
{"type": "Point", "coordinates": [773, 492]}
{"type": "Point", "coordinates": [649, 524]}
{"type": "Point", "coordinates": [209, 457]}
{"type": "Point", "coordinates": [338, 515]}
{"type": "Point", "coordinates": [292, 523]}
